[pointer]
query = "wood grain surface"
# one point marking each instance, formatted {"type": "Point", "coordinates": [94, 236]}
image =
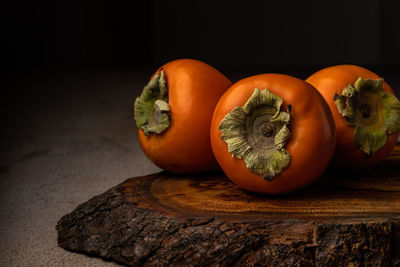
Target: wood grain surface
{"type": "Point", "coordinates": [164, 219]}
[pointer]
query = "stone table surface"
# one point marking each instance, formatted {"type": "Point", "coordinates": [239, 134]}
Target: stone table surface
{"type": "Point", "coordinates": [72, 137]}
{"type": "Point", "coordinates": [66, 137]}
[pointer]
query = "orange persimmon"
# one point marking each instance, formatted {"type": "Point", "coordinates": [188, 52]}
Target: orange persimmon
{"type": "Point", "coordinates": [366, 113]}
{"type": "Point", "coordinates": [174, 112]}
{"type": "Point", "coordinates": [272, 133]}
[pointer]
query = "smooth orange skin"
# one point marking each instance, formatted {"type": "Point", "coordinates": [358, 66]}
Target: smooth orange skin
{"type": "Point", "coordinates": [313, 134]}
{"type": "Point", "coordinates": [329, 81]}
{"type": "Point", "coordinates": [194, 89]}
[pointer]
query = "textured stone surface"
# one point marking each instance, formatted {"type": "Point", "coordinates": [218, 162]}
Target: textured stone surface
{"type": "Point", "coordinates": [69, 137]}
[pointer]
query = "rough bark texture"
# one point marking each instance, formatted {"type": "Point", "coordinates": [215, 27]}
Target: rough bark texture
{"type": "Point", "coordinates": [138, 224]}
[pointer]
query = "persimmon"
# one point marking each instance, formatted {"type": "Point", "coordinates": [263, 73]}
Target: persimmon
{"type": "Point", "coordinates": [173, 115]}
{"type": "Point", "coordinates": [272, 133]}
{"type": "Point", "coordinates": [366, 114]}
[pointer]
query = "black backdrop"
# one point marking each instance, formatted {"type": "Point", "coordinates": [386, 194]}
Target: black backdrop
{"type": "Point", "coordinates": [226, 34]}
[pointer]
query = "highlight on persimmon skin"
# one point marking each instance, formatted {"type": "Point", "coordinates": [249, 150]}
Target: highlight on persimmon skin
{"type": "Point", "coordinates": [272, 133]}
{"type": "Point", "coordinates": [174, 112]}
{"type": "Point", "coordinates": [366, 114]}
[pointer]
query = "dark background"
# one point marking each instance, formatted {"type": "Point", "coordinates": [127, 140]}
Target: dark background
{"type": "Point", "coordinates": [226, 34]}
{"type": "Point", "coordinates": [46, 40]}
{"type": "Point", "coordinates": [43, 41]}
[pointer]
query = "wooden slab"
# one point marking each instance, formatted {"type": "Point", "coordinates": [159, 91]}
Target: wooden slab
{"type": "Point", "coordinates": [164, 219]}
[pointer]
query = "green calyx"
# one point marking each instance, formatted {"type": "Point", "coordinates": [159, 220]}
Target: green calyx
{"type": "Point", "coordinates": [258, 132]}
{"type": "Point", "coordinates": [373, 112]}
{"type": "Point", "coordinates": [152, 108]}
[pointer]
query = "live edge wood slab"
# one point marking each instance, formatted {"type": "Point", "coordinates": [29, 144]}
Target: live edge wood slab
{"type": "Point", "coordinates": [164, 219]}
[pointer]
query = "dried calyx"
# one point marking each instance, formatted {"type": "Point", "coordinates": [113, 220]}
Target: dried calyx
{"type": "Point", "coordinates": [373, 112]}
{"type": "Point", "coordinates": [152, 111]}
{"type": "Point", "coordinates": [258, 132]}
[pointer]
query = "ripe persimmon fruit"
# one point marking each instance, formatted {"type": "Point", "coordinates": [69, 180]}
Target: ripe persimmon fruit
{"type": "Point", "coordinates": [173, 115]}
{"type": "Point", "coordinates": [366, 113]}
{"type": "Point", "coordinates": [272, 133]}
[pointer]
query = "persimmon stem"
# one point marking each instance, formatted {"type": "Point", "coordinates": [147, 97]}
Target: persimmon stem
{"type": "Point", "coordinates": [267, 129]}
{"type": "Point", "coordinates": [365, 111]}
{"type": "Point", "coordinates": [152, 108]}
{"type": "Point", "coordinates": [258, 132]}
{"type": "Point", "coordinates": [373, 112]}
